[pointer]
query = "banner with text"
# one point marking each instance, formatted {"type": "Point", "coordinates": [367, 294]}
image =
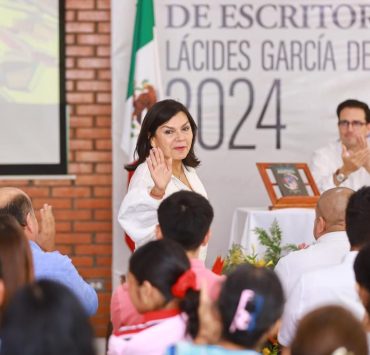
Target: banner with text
{"type": "Point", "coordinates": [262, 80]}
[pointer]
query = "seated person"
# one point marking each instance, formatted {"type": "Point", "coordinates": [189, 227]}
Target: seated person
{"type": "Point", "coordinates": [184, 217]}
{"type": "Point", "coordinates": [331, 240]}
{"type": "Point", "coordinates": [362, 274]}
{"type": "Point", "coordinates": [334, 284]}
{"type": "Point", "coordinates": [247, 312]}
{"type": "Point", "coordinates": [329, 330]}
{"type": "Point", "coordinates": [15, 258]}
{"type": "Point", "coordinates": [345, 162]}
{"type": "Point", "coordinates": [162, 288]}
{"type": "Point", "coordinates": [48, 264]}
{"type": "Point", "coordinates": [46, 318]}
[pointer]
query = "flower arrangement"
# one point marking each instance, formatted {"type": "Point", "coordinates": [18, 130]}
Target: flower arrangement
{"type": "Point", "coordinates": [271, 240]}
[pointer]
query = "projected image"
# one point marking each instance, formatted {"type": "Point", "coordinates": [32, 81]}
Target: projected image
{"type": "Point", "coordinates": [30, 83]}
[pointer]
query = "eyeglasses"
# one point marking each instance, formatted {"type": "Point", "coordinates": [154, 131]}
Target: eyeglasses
{"type": "Point", "coordinates": [354, 124]}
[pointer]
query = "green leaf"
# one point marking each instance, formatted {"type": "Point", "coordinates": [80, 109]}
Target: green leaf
{"type": "Point", "coordinates": [270, 239]}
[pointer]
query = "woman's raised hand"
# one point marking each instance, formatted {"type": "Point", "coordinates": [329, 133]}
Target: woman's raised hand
{"type": "Point", "coordinates": [160, 169]}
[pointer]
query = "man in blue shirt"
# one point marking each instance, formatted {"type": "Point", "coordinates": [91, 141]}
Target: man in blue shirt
{"type": "Point", "coordinates": [48, 264]}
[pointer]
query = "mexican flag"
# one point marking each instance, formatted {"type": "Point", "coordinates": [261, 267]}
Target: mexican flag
{"type": "Point", "coordinates": [144, 87]}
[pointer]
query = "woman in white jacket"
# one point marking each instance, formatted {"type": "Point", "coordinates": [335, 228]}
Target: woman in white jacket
{"type": "Point", "coordinates": [166, 164]}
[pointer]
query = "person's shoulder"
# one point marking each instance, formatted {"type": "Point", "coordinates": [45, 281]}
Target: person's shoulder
{"type": "Point", "coordinates": [53, 257]}
{"type": "Point", "coordinates": [141, 167]}
{"type": "Point", "coordinates": [325, 275]}
{"type": "Point", "coordinates": [189, 168]}
{"type": "Point", "coordinates": [141, 170]}
{"type": "Point", "coordinates": [297, 255]}
{"type": "Point", "coordinates": [120, 293]}
{"type": "Point", "coordinates": [141, 174]}
{"type": "Point", "coordinates": [156, 338]}
{"type": "Point", "coordinates": [330, 146]}
{"type": "Point", "coordinates": [201, 271]}
{"type": "Point", "coordinates": [213, 280]}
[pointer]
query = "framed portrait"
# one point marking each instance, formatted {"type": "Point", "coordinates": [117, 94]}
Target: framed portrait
{"type": "Point", "coordinates": [289, 184]}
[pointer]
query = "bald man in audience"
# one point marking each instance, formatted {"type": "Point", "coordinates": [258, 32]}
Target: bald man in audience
{"type": "Point", "coordinates": [48, 264]}
{"type": "Point", "coordinates": [335, 284]}
{"type": "Point", "coordinates": [331, 239]}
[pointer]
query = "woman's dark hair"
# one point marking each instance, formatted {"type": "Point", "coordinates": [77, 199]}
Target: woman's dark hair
{"type": "Point", "coordinates": [15, 257]}
{"type": "Point", "coordinates": [162, 262]}
{"type": "Point", "coordinates": [327, 329]}
{"type": "Point", "coordinates": [268, 293]}
{"type": "Point", "coordinates": [357, 217]}
{"type": "Point", "coordinates": [46, 318]}
{"type": "Point", "coordinates": [160, 113]}
{"type": "Point", "coordinates": [362, 271]}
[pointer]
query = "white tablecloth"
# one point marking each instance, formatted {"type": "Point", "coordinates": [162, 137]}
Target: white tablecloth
{"type": "Point", "coordinates": [296, 225]}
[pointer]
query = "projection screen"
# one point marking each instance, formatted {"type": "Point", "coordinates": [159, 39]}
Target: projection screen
{"type": "Point", "coordinates": [32, 94]}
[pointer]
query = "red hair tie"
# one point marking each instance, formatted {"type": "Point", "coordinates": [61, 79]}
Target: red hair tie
{"type": "Point", "coordinates": [184, 282]}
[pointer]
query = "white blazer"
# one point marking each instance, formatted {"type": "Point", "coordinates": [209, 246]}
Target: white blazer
{"type": "Point", "coordinates": [138, 212]}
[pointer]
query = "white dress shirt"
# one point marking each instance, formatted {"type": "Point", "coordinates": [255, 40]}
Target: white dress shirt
{"type": "Point", "coordinates": [328, 250]}
{"type": "Point", "coordinates": [330, 285]}
{"type": "Point", "coordinates": [138, 212]}
{"type": "Point", "coordinates": [327, 160]}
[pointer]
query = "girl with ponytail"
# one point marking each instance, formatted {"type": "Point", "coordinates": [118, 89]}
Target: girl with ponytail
{"type": "Point", "coordinates": [162, 288]}
{"type": "Point", "coordinates": [246, 314]}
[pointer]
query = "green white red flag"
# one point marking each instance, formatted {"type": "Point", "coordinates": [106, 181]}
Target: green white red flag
{"type": "Point", "coordinates": [144, 86]}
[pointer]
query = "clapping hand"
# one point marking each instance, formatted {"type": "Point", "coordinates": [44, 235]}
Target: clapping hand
{"type": "Point", "coordinates": [46, 237]}
{"type": "Point", "coordinates": [355, 159]}
{"type": "Point", "coordinates": [160, 169]}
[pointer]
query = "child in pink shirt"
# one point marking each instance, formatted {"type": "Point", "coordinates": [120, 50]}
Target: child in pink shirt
{"type": "Point", "coordinates": [162, 288]}
{"type": "Point", "coordinates": [184, 217]}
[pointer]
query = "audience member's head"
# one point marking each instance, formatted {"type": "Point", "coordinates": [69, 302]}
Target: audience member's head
{"type": "Point", "coordinates": [250, 304]}
{"type": "Point", "coordinates": [15, 257]}
{"type": "Point", "coordinates": [160, 277]}
{"type": "Point", "coordinates": [327, 329]}
{"type": "Point", "coordinates": [357, 218]}
{"type": "Point", "coordinates": [185, 217]}
{"type": "Point", "coordinates": [351, 103]}
{"type": "Point", "coordinates": [45, 318]}
{"type": "Point", "coordinates": [362, 273]}
{"type": "Point", "coordinates": [331, 211]}
{"type": "Point", "coordinates": [17, 203]}
{"type": "Point", "coordinates": [159, 114]}
{"type": "Point", "coordinates": [353, 123]}
{"type": "Point", "coordinates": [2, 287]}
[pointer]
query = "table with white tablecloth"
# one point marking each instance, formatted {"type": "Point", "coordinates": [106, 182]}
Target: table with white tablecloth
{"type": "Point", "coordinates": [296, 225]}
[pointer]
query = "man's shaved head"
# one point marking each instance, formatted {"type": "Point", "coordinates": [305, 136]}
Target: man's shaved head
{"type": "Point", "coordinates": [332, 206]}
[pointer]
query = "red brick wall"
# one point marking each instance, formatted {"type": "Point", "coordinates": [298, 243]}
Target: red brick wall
{"type": "Point", "coordinates": [83, 207]}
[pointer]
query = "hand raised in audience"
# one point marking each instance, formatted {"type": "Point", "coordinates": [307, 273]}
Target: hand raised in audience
{"type": "Point", "coordinates": [46, 237]}
{"type": "Point", "coordinates": [210, 327]}
{"type": "Point", "coordinates": [354, 160]}
{"type": "Point", "coordinates": [364, 146]}
{"type": "Point", "coordinates": [161, 171]}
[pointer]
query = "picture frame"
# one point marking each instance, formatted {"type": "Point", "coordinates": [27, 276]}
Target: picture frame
{"type": "Point", "coordinates": [289, 185]}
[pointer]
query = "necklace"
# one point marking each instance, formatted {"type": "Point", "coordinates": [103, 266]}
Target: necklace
{"type": "Point", "coordinates": [183, 183]}
{"type": "Point", "coordinates": [179, 176]}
